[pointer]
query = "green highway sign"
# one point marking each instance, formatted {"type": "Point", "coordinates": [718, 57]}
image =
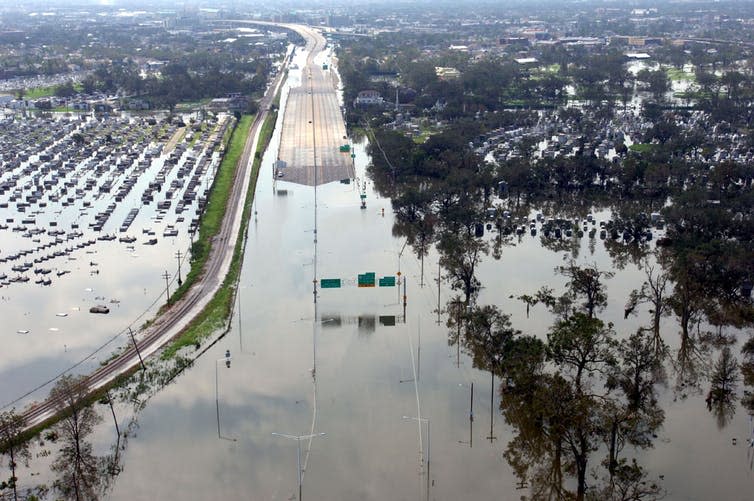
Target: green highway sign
{"type": "Point", "coordinates": [329, 283]}
{"type": "Point", "coordinates": [367, 279]}
{"type": "Point", "coordinates": [387, 282]}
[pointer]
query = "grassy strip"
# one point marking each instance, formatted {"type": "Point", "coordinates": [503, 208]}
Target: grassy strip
{"type": "Point", "coordinates": [216, 205]}
{"type": "Point", "coordinates": [214, 315]}
{"type": "Point", "coordinates": [677, 74]}
{"type": "Point", "coordinates": [642, 147]}
{"type": "Point", "coordinates": [39, 92]}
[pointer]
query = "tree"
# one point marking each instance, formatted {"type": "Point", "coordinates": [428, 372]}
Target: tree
{"type": "Point", "coordinates": [556, 415]}
{"type": "Point", "coordinates": [586, 283]}
{"type": "Point", "coordinates": [65, 89]}
{"type": "Point", "coordinates": [721, 397]}
{"type": "Point", "coordinates": [76, 464]}
{"type": "Point", "coordinates": [489, 339]}
{"type": "Point", "coordinates": [460, 253]}
{"type": "Point", "coordinates": [89, 84]}
{"type": "Point", "coordinates": [653, 292]}
{"type": "Point", "coordinates": [581, 345]}
{"type": "Point", "coordinates": [634, 419]}
{"type": "Point", "coordinates": [628, 483]}
{"type": "Point", "coordinates": [747, 371]}
{"type": "Point", "coordinates": [13, 445]}
{"type": "Point", "coordinates": [657, 82]}
{"type": "Point", "coordinates": [724, 376]}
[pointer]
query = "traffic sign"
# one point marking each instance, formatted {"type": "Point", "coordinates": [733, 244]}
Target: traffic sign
{"type": "Point", "coordinates": [367, 279]}
{"type": "Point", "coordinates": [387, 282]}
{"type": "Point", "coordinates": [330, 283]}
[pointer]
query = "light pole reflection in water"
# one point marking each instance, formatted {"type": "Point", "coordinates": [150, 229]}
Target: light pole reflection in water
{"type": "Point", "coordinates": [298, 439]}
{"type": "Point", "coordinates": [429, 444]}
{"type": "Point", "coordinates": [470, 385]}
{"type": "Point", "coordinates": [226, 359]}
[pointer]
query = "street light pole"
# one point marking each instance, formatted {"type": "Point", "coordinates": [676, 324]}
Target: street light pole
{"type": "Point", "coordinates": [227, 358]}
{"type": "Point", "coordinates": [298, 439]}
{"type": "Point", "coordinates": [471, 413]}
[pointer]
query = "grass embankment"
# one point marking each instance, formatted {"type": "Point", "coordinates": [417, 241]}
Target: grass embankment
{"type": "Point", "coordinates": [39, 92]}
{"type": "Point", "coordinates": [677, 74]}
{"type": "Point", "coordinates": [642, 147]}
{"type": "Point", "coordinates": [214, 212]}
{"type": "Point", "coordinates": [215, 314]}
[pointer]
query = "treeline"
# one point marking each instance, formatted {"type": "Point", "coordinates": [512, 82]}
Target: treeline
{"type": "Point", "coordinates": [598, 75]}
{"type": "Point", "coordinates": [195, 77]}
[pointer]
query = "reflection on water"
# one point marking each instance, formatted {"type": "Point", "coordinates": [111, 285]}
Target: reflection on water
{"type": "Point", "coordinates": [376, 362]}
{"type": "Point", "coordinates": [88, 201]}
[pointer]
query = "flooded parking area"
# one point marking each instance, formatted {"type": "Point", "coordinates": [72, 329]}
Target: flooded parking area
{"type": "Point", "coordinates": [94, 210]}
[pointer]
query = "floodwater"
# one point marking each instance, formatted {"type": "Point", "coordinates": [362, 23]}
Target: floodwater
{"type": "Point", "coordinates": [376, 362]}
{"type": "Point", "coordinates": [49, 329]}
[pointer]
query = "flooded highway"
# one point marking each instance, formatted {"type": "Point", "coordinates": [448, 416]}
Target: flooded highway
{"type": "Point", "coordinates": [378, 367]}
{"type": "Point", "coordinates": [386, 405]}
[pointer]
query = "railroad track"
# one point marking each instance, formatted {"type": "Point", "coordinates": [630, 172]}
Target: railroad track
{"type": "Point", "coordinates": [172, 322]}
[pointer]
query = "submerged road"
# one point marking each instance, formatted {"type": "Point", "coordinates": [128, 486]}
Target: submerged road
{"type": "Point", "coordinates": [175, 319]}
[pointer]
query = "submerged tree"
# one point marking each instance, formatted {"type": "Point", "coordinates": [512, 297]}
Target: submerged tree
{"type": "Point", "coordinates": [586, 283]}
{"type": "Point", "coordinates": [634, 417]}
{"type": "Point", "coordinates": [721, 397]}
{"type": "Point", "coordinates": [653, 292]}
{"type": "Point", "coordinates": [13, 445]}
{"type": "Point", "coordinates": [593, 391]}
{"type": "Point", "coordinates": [78, 468]}
{"type": "Point", "coordinates": [747, 371]}
{"type": "Point", "coordinates": [460, 254]}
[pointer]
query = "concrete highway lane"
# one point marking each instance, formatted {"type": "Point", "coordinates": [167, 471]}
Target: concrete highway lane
{"type": "Point", "coordinates": [313, 126]}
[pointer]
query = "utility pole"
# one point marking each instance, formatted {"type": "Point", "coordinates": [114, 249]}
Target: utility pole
{"type": "Point", "coordinates": [439, 278]}
{"type": "Point", "coordinates": [405, 278]}
{"type": "Point", "coordinates": [113, 467]}
{"type": "Point", "coordinates": [179, 255]}
{"type": "Point", "coordinates": [166, 276]}
{"type": "Point", "coordinates": [457, 304]}
{"type": "Point", "coordinates": [136, 346]}
{"type": "Point", "coordinates": [492, 416]}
